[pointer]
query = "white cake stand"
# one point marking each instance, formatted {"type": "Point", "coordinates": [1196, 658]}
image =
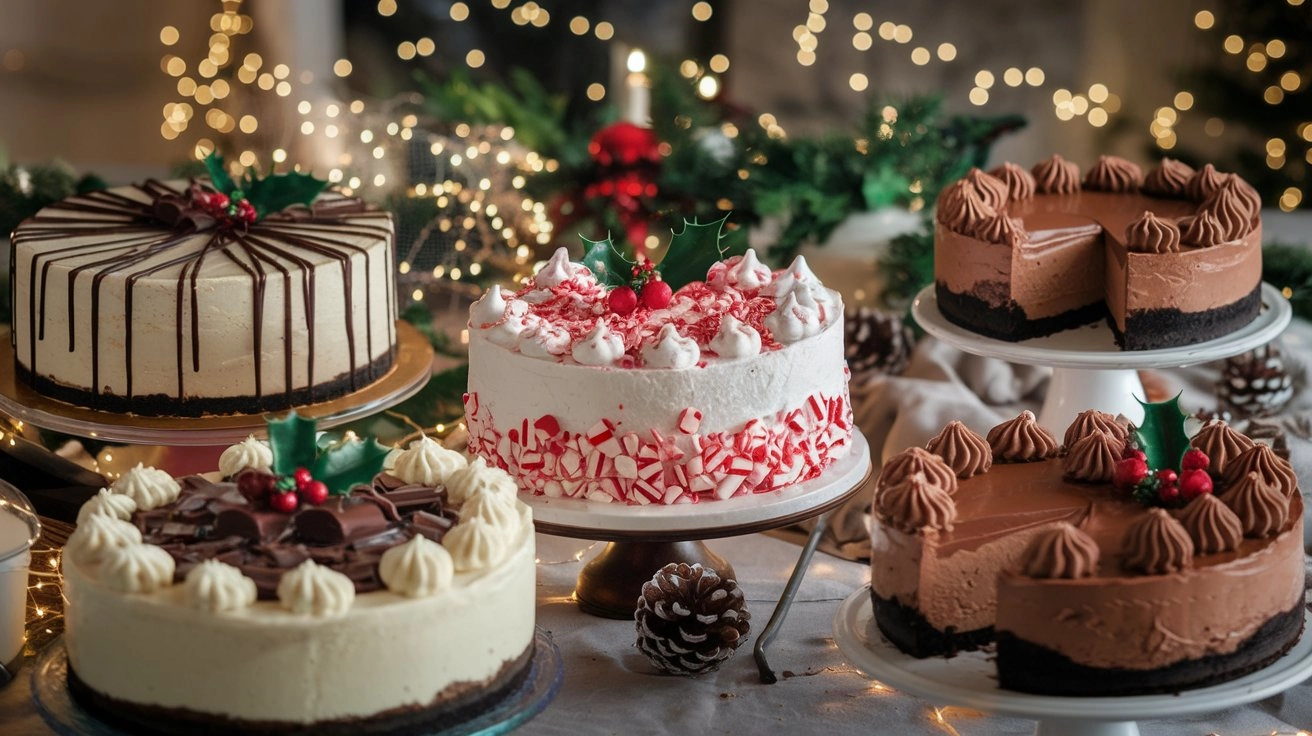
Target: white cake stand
{"type": "Point", "coordinates": [970, 680]}
{"type": "Point", "coordinates": [1089, 370]}
{"type": "Point", "coordinates": [643, 539]}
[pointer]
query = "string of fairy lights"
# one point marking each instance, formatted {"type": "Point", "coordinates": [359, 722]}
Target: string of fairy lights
{"type": "Point", "coordinates": [1258, 56]}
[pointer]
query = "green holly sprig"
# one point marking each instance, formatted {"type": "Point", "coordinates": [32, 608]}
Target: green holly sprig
{"type": "Point", "coordinates": [340, 463]}
{"type": "Point", "coordinates": [264, 195]}
{"type": "Point", "coordinates": [691, 253]}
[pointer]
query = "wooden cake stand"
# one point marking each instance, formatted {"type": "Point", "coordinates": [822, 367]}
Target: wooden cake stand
{"type": "Point", "coordinates": [1089, 370]}
{"type": "Point", "coordinates": [643, 539]}
{"type": "Point", "coordinates": [969, 679]}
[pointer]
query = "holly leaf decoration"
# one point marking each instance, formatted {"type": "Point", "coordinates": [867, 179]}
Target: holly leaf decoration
{"type": "Point", "coordinates": [277, 192]}
{"type": "Point", "coordinates": [292, 440]}
{"type": "Point", "coordinates": [348, 463]}
{"type": "Point", "coordinates": [607, 263]}
{"type": "Point", "coordinates": [219, 174]}
{"type": "Point", "coordinates": [694, 250]}
{"type": "Point", "coordinates": [1161, 436]}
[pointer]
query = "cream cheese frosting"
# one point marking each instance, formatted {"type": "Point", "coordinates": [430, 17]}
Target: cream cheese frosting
{"type": "Point", "coordinates": [418, 568]}
{"type": "Point", "coordinates": [218, 587]}
{"type": "Point", "coordinates": [250, 453]}
{"type": "Point", "coordinates": [426, 462]}
{"type": "Point", "coordinates": [149, 487]}
{"type": "Point", "coordinates": [312, 590]}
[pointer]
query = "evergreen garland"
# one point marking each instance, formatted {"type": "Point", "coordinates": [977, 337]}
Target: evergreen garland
{"type": "Point", "coordinates": [1289, 268]}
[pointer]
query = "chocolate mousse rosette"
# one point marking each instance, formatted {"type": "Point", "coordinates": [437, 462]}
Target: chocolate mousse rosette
{"type": "Point", "coordinates": [1021, 440]}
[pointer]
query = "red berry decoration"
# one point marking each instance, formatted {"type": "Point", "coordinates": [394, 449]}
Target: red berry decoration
{"type": "Point", "coordinates": [284, 502]}
{"type": "Point", "coordinates": [656, 295]}
{"type": "Point", "coordinates": [1195, 483]}
{"type": "Point", "coordinates": [1129, 472]}
{"type": "Point", "coordinates": [314, 493]}
{"type": "Point", "coordinates": [1195, 460]}
{"type": "Point", "coordinates": [1167, 477]}
{"type": "Point", "coordinates": [1134, 452]}
{"type": "Point", "coordinates": [1168, 494]}
{"type": "Point", "coordinates": [622, 300]}
{"type": "Point", "coordinates": [253, 485]}
{"type": "Point", "coordinates": [303, 478]}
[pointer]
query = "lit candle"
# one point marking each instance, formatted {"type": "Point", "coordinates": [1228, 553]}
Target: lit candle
{"type": "Point", "coordinates": [637, 90]}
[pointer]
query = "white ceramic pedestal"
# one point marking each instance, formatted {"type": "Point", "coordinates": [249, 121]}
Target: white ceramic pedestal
{"type": "Point", "coordinates": [970, 680]}
{"type": "Point", "coordinates": [1089, 370]}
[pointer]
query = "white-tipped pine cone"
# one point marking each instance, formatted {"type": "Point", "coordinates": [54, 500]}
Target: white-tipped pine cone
{"type": "Point", "coordinates": [689, 619]}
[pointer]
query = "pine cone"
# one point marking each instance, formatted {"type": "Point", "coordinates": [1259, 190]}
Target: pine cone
{"type": "Point", "coordinates": [1256, 383]}
{"type": "Point", "coordinates": [877, 342]}
{"type": "Point", "coordinates": [689, 619]}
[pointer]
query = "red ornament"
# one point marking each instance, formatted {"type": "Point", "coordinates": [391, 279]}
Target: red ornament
{"type": "Point", "coordinates": [1134, 452]}
{"type": "Point", "coordinates": [1195, 483]}
{"type": "Point", "coordinates": [622, 300]}
{"type": "Point", "coordinates": [284, 502]}
{"type": "Point", "coordinates": [302, 477]}
{"type": "Point", "coordinates": [656, 295]}
{"type": "Point", "coordinates": [314, 493]}
{"type": "Point", "coordinates": [1195, 460]}
{"type": "Point", "coordinates": [1129, 472]}
{"type": "Point", "coordinates": [624, 144]}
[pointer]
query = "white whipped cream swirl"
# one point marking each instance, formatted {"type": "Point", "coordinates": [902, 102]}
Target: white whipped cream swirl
{"type": "Point", "coordinates": [96, 535]}
{"type": "Point", "coordinates": [490, 308]}
{"type": "Point", "coordinates": [426, 462]}
{"type": "Point", "coordinates": [416, 569]}
{"type": "Point", "coordinates": [310, 589]}
{"type": "Point", "coordinates": [745, 272]}
{"type": "Point", "coordinates": [217, 587]}
{"type": "Point", "coordinates": [149, 487]}
{"type": "Point", "coordinates": [250, 453]}
{"type": "Point", "coordinates": [478, 477]}
{"type": "Point", "coordinates": [556, 271]}
{"type": "Point", "coordinates": [544, 341]}
{"type": "Point", "coordinates": [107, 503]}
{"type": "Point", "coordinates": [796, 318]}
{"type": "Point", "coordinates": [137, 568]}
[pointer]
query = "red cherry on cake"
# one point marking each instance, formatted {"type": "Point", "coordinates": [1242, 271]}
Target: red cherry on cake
{"type": "Point", "coordinates": [1168, 493]}
{"type": "Point", "coordinates": [1167, 477]}
{"type": "Point", "coordinates": [284, 502]}
{"type": "Point", "coordinates": [303, 478]}
{"type": "Point", "coordinates": [1134, 452]}
{"type": "Point", "coordinates": [314, 493]}
{"type": "Point", "coordinates": [1195, 460]}
{"type": "Point", "coordinates": [1129, 472]}
{"type": "Point", "coordinates": [656, 295]}
{"type": "Point", "coordinates": [253, 485]}
{"type": "Point", "coordinates": [622, 300]}
{"type": "Point", "coordinates": [1195, 483]}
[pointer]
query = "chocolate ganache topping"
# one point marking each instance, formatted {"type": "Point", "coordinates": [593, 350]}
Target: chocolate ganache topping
{"type": "Point", "coordinates": [1204, 181]}
{"type": "Point", "coordinates": [1202, 230]}
{"type": "Point", "coordinates": [1020, 183]}
{"type": "Point", "coordinates": [1261, 459]}
{"type": "Point", "coordinates": [915, 460]}
{"type": "Point", "coordinates": [1002, 230]}
{"type": "Point", "coordinates": [1090, 421]}
{"type": "Point", "coordinates": [348, 534]}
{"type": "Point", "coordinates": [1021, 440]}
{"type": "Point", "coordinates": [1093, 458]}
{"type": "Point", "coordinates": [1211, 524]}
{"type": "Point", "coordinates": [1221, 444]}
{"type": "Point", "coordinates": [991, 189]}
{"type": "Point", "coordinates": [1262, 509]}
{"type": "Point", "coordinates": [1056, 175]}
{"type": "Point", "coordinates": [159, 220]}
{"type": "Point", "coordinates": [916, 503]}
{"type": "Point", "coordinates": [1231, 211]}
{"type": "Point", "coordinates": [1114, 174]}
{"type": "Point", "coordinates": [1157, 544]}
{"type": "Point", "coordinates": [1151, 234]}
{"type": "Point", "coordinates": [1246, 193]}
{"type": "Point", "coordinates": [1170, 179]}
{"type": "Point", "coordinates": [963, 450]}
{"type": "Point", "coordinates": [1060, 552]}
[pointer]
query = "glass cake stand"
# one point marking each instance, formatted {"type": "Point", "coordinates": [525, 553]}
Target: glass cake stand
{"type": "Point", "coordinates": [66, 716]}
{"type": "Point", "coordinates": [1089, 370]}
{"type": "Point", "coordinates": [970, 680]}
{"type": "Point", "coordinates": [643, 539]}
{"type": "Point", "coordinates": [410, 371]}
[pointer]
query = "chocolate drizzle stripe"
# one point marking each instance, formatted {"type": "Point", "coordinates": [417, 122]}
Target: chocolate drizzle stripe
{"type": "Point", "coordinates": [131, 241]}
